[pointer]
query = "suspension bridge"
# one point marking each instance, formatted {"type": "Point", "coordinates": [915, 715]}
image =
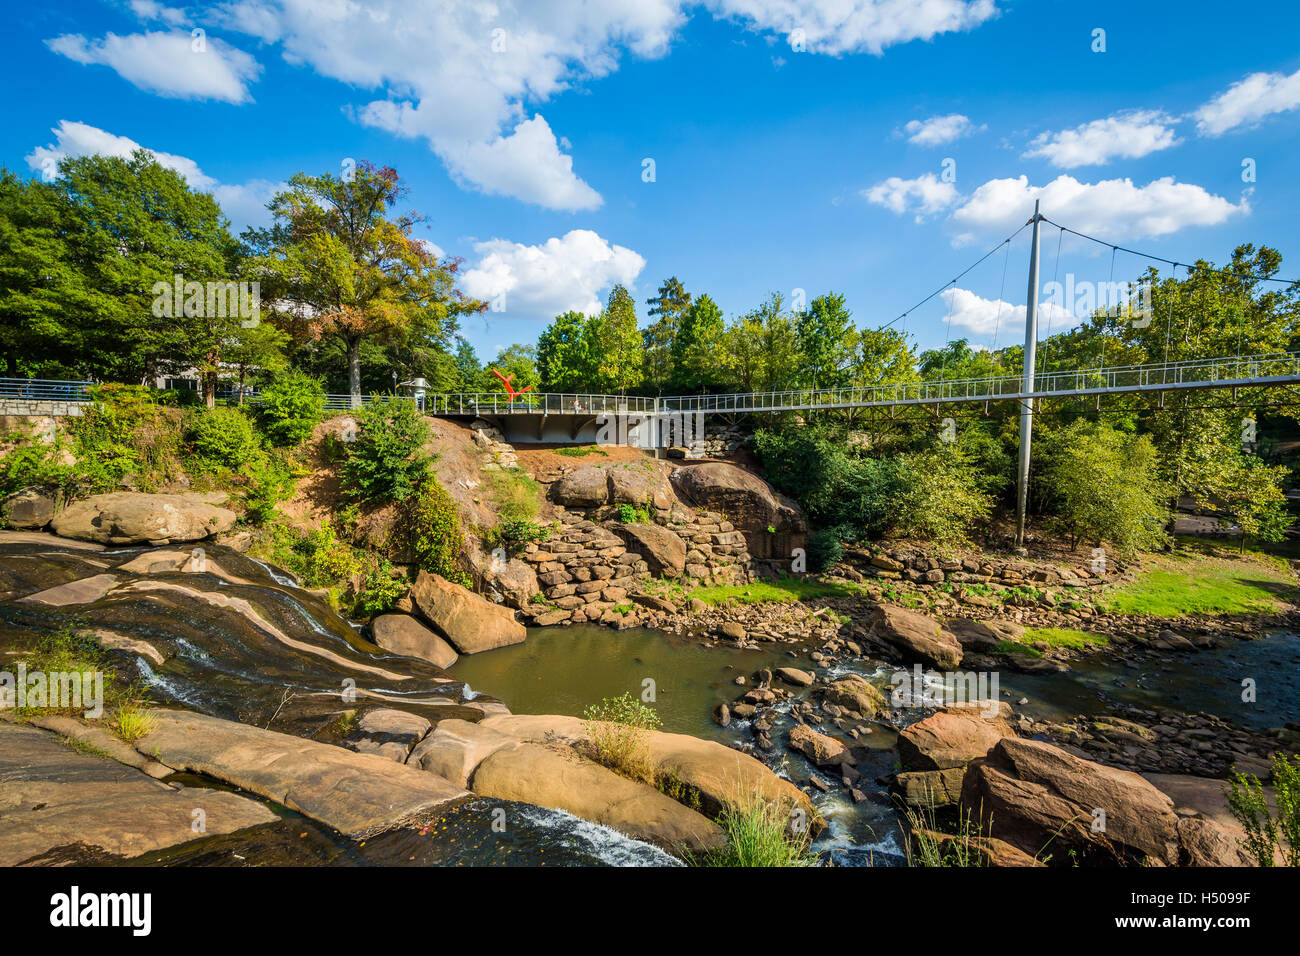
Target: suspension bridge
{"type": "Point", "coordinates": [542, 416]}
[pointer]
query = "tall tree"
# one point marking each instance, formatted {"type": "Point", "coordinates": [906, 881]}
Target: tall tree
{"type": "Point", "coordinates": [563, 360]}
{"type": "Point", "coordinates": [615, 344]}
{"type": "Point", "coordinates": [337, 246]}
{"type": "Point", "coordinates": [826, 338]}
{"type": "Point", "coordinates": [669, 306]}
{"type": "Point", "coordinates": [697, 346]}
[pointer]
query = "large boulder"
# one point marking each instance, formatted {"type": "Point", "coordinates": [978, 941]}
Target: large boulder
{"type": "Point", "coordinates": [914, 637]}
{"type": "Point", "coordinates": [822, 750]}
{"type": "Point", "coordinates": [749, 503]}
{"type": "Point", "coordinates": [640, 483]}
{"type": "Point", "coordinates": [664, 552]}
{"type": "Point", "coordinates": [586, 487]}
{"type": "Point", "coordinates": [983, 636]}
{"type": "Point", "coordinates": [514, 581]}
{"type": "Point", "coordinates": [129, 517]}
{"type": "Point", "coordinates": [403, 634]}
{"type": "Point", "coordinates": [1041, 799]}
{"type": "Point", "coordinates": [856, 693]}
{"type": "Point", "coordinates": [950, 738]}
{"type": "Point", "coordinates": [456, 747]}
{"type": "Point", "coordinates": [559, 778]}
{"type": "Point", "coordinates": [28, 510]}
{"type": "Point", "coordinates": [469, 622]}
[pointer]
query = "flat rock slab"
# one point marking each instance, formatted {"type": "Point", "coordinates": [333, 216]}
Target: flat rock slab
{"type": "Point", "coordinates": [356, 794]}
{"type": "Point", "coordinates": [83, 591]}
{"type": "Point", "coordinates": [53, 796]}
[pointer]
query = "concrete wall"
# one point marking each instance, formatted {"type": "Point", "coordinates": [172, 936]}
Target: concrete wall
{"type": "Point", "coordinates": [36, 408]}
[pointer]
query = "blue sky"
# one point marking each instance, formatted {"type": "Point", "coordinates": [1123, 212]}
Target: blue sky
{"type": "Point", "coordinates": [522, 131]}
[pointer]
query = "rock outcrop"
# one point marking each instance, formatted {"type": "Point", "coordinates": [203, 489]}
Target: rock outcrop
{"type": "Point", "coordinates": [403, 634]}
{"type": "Point", "coordinates": [128, 517]}
{"type": "Point", "coordinates": [29, 509]}
{"type": "Point", "coordinates": [913, 637]}
{"type": "Point", "coordinates": [771, 523]}
{"type": "Point", "coordinates": [471, 623]}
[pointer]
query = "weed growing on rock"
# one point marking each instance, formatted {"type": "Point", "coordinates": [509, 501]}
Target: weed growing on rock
{"type": "Point", "coordinates": [618, 736]}
{"type": "Point", "coordinates": [1266, 834]}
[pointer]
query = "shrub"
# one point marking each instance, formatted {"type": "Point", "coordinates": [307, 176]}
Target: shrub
{"type": "Point", "coordinates": [431, 528]}
{"type": "Point", "coordinates": [516, 495]}
{"type": "Point", "coordinates": [618, 736]}
{"type": "Point", "coordinates": [31, 462]}
{"type": "Point", "coordinates": [1265, 833]}
{"type": "Point", "coordinates": [122, 432]}
{"type": "Point", "coordinates": [513, 535]}
{"type": "Point", "coordinates": [268, 480]}
{"type": "Point", "coordinates": [290, 407]}
{"type": "Point", "coordinates": [759, 834]}
{"type": "Point", "coordinates": [1101, 484]}
{"type": "Point", "coordinates": [942, 499]}
{"type": "Point", "coordinates": [223, 436]}
{"type": "Point", "coordinates": [628, 514]}
{"type": "Point", "coordinates": [386, 462]}
{"type": "Point", "coordinates": [382, 585]}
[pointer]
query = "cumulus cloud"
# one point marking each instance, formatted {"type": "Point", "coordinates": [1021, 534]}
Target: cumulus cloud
{"type": "Point", "coordinates": [996, 317]}
{"type": "Point", "coordinates": [938, 130]}
{"type": "Point", "coordinates": [562, 273]}
{"type": "Point", "coordinates": [925, 195]}
{"type": "Point", "coordinates": [857, 26]}
{"type": "Point", "coordinates": [1248, 101]}
{"type": "Point", "coordinates": [1114, 209]}
{"type": "Point", "coordinates": [1124, 135]}
{"type": "Point", "coordinates": [168, 63]}
{"type": "Point", "coordinates": [244, 203]}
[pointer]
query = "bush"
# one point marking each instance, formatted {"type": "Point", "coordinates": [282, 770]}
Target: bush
{"type": "Point", "coordinates": [942, 499]}
{"type": "Point", "coordinates": [513, 535]}
{"type": "Point", "coordinates": [618, 736]}
{"type": "Point", "coordinates": [431, 528]}
{"type": "Point", "coordinates": [627, 514]}
{"type": "Point", "coordinates": [382, 585]}
{"type": "Point", "coordinates": [124, 432]}
{"type": "Point", "coordinates": [1266, 834]}
{"type": "Point", "coordinates": [516, 495]}
{"type": "Point", "coordinates": [758, 834]}
{"type": "Point", "coordinates": [268, 480]}
{"type": "Point", "coordinates": [290, 407]}
{"type": "Point", "coordinates": [386, 462]}
{"type": "Point", "coordinates": [223, 436]}
{"type": "Point", "coordinates": [31, 462]}
{"type": "Point", "coordinates": [1101, 484]}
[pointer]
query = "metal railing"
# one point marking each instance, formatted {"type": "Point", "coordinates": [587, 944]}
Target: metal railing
{"type": "Point", "coordinates": [1278, 368]}
{"type": "Point", "coordinates": [44, 390]}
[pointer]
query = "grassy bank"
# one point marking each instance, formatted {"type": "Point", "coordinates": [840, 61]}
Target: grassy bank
{"type": "Point", "coordinates": [1206, 583]}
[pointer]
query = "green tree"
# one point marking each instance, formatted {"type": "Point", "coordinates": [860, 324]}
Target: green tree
{"type": "Point", "coordinates": [1101, 484]}
{"type": "Point", "coordinates": [564, 361]}
{"type": "Point", "coordinates": [387, 460]}
{"type": "Point", "coordinates": [669, 306]}
{"type": "Point", "coordinates": [615, 345]}
{"type": "Point", "coordinates": [338, 247]}
{"type": "Point", "coordinates": [826, 338]}
{"type": "Point", "coordinates": [696, 347]}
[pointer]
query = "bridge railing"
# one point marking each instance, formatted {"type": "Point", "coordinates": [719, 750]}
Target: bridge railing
{"type": "Point", "coordinates": [44, 390]}
{"type": "Point", "coordinates": [535, 403]}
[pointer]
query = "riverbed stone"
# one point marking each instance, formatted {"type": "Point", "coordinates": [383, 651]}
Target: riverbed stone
{"type": "Point", "coordinates": [914, 636]}
{"type": "Point", "coordinates": [129, 517]}
{"type": "Point", "coordinates": [29, 509]}
{"type": "Point", "coordinates": [456, 747]}
{"type": "Point", "coordinates": [471, 623]}
{"type": "Point", "coordinates": [52, 796]}
{"type": "Point", "coordinates": [356, 794]}
{"type": "Point", "coordinates": [950, 738]}
{"type": "Point", "coordinates": [403, 634]}
{"type": "Point", "coordinates": [558, 778]}
{"type": "Point", "coordinates": [822, 750]}
{"type": "Point", "coordinates": [855, 693]}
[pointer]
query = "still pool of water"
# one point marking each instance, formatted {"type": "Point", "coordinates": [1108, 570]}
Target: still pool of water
{"type": "Point", "coordinates": [564, 670]}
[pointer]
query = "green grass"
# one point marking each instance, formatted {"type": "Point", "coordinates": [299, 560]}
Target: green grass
{"type": "Point", "coordinates": [1064, 637]}
{"type": "Point", "coordinates": [758, 834]}
{"type": "Point", "coordinates": [1188, 586]}
{"type": "Point", "coordinates": [782, 591]}
{"type": "Point", "coordinates": [581, 452]}
{"type": "Point", "coordinates": [1015, 647]}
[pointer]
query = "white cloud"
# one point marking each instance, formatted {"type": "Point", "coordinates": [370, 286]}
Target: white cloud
{"type": "Point", "coordinates": [988, 317]}
{"type": "Point", "coordinates": [858, 26]}
{"type": "Point", "coordinates": [1248, 101]}
{"type": "Point", "coordinates": [1113, 209]}
{"type": "Point", "coordinates": [560, 274]}
{"type": "Point", "coordinates": [168, 63]}
{"type": "Point", "coordinates": [925, 195]}
{"type": "Point", "coordinates": [1125, 135]}
{"type": "Point", "coordinates": [938, 130]}
{"type": "Point", "coordinates": [146, 10]}
{"type": "Point", "coordinates": [244, 204]}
